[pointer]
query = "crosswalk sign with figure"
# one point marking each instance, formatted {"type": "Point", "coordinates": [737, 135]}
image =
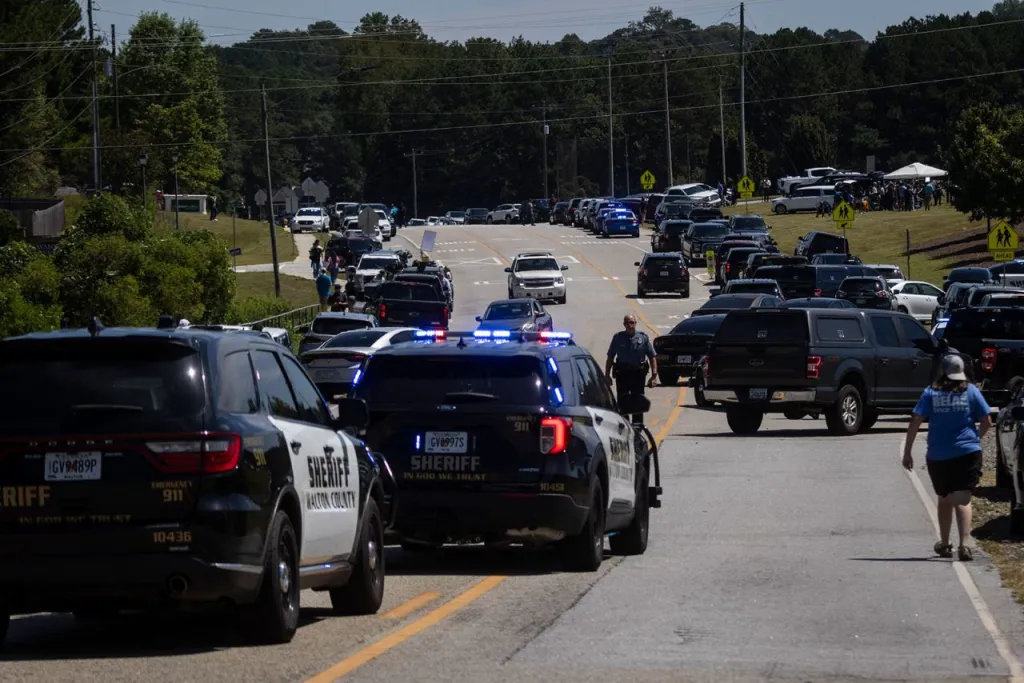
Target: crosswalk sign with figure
{"type": "Point", "coordinates": [647, 180]}
{"type": "Point", "coordinates": [1003, 241]}
{"type": "Point", "coordinates": [746, 187]}
{"type": "Point", "coordinates": [843, 215]}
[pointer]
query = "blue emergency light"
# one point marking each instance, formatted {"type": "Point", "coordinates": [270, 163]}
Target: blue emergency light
{"type": "Point", "coordinates": [431, 334]}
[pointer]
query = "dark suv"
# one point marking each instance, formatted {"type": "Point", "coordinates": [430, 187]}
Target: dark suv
{"type": "Point", "coordinates": [663, 272]}
{"type": "Point", "coordinates": [867, 292]}
{"type": "Point", "coordinates": [180, 468]}
{"type": "Point", "coordinates": [701, 238]}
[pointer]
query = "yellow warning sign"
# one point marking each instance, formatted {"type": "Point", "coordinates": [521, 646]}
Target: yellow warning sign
{"type": "Point", "coordinates": [746, 187]}
{"type": "Point", "coordinates": [843, 215]}
{"type": "Point", "coordinates": [647, 180]}
{"type": "Point", "coordinates": [1003, 238]}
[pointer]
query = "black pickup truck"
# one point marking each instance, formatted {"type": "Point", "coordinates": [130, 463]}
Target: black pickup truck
{"type": "Point", "coordinates": [409, 304]}
{"type": "Point", "coordinates": [994, 339]}
{"type": "Point", "coordinates": [849, 365]}
{"type": "Point", "coordinates": [701, 237]}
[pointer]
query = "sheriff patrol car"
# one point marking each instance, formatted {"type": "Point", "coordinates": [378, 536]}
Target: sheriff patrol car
{"type": "Point", "coordinates": [500, 436]}
{"type": "Point", "coordinates": [178, 467]}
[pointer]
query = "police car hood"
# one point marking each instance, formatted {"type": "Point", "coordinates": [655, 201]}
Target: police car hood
{"type": "Point", "coordinates": [537, 274]}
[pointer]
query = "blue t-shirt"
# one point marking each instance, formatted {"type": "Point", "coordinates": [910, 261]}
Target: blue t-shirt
{"type": "Point", "coordinates": [951, 417]}
{"type": "Point", "coordinates": [324, 283]}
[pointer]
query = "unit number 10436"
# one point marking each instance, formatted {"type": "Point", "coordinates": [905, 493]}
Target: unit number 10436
{"type": "Point", "coordinates": [172, 537]}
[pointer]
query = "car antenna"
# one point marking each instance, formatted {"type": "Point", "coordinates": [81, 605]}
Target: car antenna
{"type": "Point", "coordinates": [95, 326]}
{"type": "Point", "coordinates": [462, 342]}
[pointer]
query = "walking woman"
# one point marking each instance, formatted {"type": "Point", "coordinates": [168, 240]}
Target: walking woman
{"type": "Point", "coordinates": [951, 406]}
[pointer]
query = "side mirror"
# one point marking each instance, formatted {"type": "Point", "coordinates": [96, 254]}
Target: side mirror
{"type": "Point", "coordinates": [1017, 412]}
{"type": "Point", "coordinates": [565, 267]}
{"type": "Point", "coordinates": [352, 414]}
{"type": "Point", "coordinates": [635, 403]}
{"type": "Point", "coordinates": [508, 270]}
{"type": "Point", "coordinates": [636, 263]}
{"type": "Point", "coordinates": [479, 318]}
{"type": "Point", "coordinates": [926, 344]}
{"type": "Point", "coordinates": [302, 329]}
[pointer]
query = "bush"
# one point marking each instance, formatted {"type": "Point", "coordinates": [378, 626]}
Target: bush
{"type": "Point", "coordinates": [109, 214]}
{"type": "Point", "coordinates": [255, 308]}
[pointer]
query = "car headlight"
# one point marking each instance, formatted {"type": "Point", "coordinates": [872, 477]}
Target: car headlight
{"type": "Point", "coordinates": [559, 280]}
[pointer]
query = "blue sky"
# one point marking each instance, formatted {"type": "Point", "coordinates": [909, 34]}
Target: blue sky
{"type": "Point", "coordinates": [227, 21]}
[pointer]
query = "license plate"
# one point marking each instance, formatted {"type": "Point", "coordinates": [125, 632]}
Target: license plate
{"type": "Point", "coordinates": [757, 394]}
{"type": "Point", "coordinates": [326, 375]}
{"type": "Point", "coordinates": [684, 359]}
{"type": "Point", "coordinates": [664, 273]}
{"type": "Point", "coordinates": [446, 442]}
{"type": "Point", "coordinates": [862, 301]}
{"type": "Point", "coordinates": [73, 466]}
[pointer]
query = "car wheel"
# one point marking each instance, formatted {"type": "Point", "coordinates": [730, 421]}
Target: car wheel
{"type": "Point", "coordinates": [364, 591]}
{"type": "Point", "coordinates": [490, 220]}
{"type": "Point", "coordinates": [563, 299]}
{"type": "Point", "coordinates": [903, 309]}
{"type": "Point", "coordinates": [274, 617]}
{"type": "Point", "coordinates": [508, 219]}
{"type": "Point", "coordinates": [640, 291]}
{"type": "Point", "coordinates": [697, 383]}
{"type": "Point", "coordinates": [744, 421]}
{"type": "Point", "coordinates": [633, 539]}
{"type": "Point", "coordinates": [780, 209]}
{"type": "Point", "coordinates": [584, 552]}
{"type": "Point", "coordinates": [845, 416]}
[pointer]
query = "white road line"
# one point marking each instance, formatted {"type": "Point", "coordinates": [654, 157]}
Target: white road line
{"type": "Point", "coordinates": [1002, 643]}
{"type": "Point", "coordinates": [606, 278]}
{"type": "Point", "coordinates": [639, 301]}
{"type": "Point", "coordinates": [569, 258]}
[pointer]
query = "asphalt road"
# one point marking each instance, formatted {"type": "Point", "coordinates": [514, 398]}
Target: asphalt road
{"type": "Point", "coordinates": [789, 556]}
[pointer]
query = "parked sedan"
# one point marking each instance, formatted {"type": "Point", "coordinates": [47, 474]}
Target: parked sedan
{"type": "Point", "coordinates": [333, 366]}
{"type": "Point", "coordinates": [679, 350]}
{"type": "Point", "coordinates": [919, 299]}
{"type": "Point", "coordinates": [515, 315]}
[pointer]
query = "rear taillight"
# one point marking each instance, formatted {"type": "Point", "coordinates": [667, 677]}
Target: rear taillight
{"type": "Point", "coordinates": [445, 313]}
{"type": "Point", "coordinates": [728, 267]}
{"type": "Point", "coordinates": [354, 357]}
{"type": "Point", "coordinates": [554, 435]}
{"type": "Point", "coordinates": [882, 294]}
{"type": "Point", "coordinates": [988, 359]}
{"type": "Point", "coordinates": [813, 366]}
{"type": "Point", "coordinates": [643, 272]}
{"type": "Point", "coordinates": [817, 292]}
{"type": "Point", "coordinates": [382, 311]}
{"type": "Point", "coordinates": [196, 454]}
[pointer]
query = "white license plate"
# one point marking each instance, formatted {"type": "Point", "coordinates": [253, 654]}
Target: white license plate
{"type": "Point", "coordinates": [73, 466]}
{"type": "Point", "coordinates": [862, 301]}
{"type": "Point", "coordinates": [758, 394]}
{"type": "Point", "coordinates": [664, 273]}
{"type": "Point", "coordinates": [684, 359]}
{"type": "Point", "coordinates": [327, 375]}
{"type": "Point", "coordinates": [446, 442]}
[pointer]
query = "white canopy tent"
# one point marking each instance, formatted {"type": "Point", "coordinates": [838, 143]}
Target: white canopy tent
{"type": "Point", "coordinates": [914, 171]}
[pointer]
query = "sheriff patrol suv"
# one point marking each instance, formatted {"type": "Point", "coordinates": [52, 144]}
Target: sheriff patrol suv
{"type": "Point", "coordinates": [500, 436]}
{"type": "Point", "coordinates": [167, 467]}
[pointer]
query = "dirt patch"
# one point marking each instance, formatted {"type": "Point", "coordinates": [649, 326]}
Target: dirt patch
{"type": "Point", "coordinates": [991, 508]}
{"type": "Point", "coordinates": [964, 247]}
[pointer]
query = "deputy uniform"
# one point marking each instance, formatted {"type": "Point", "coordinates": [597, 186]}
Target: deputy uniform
{"type": "Point", "coordinates": [632, 354]}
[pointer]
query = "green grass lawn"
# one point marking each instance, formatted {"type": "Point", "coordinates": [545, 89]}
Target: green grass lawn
{"type": "Point", "coordinates": [253, 236]}
{"type": "Point", "coordinates": [295, 290]}
{"type": "Point", "coordinates": [940, 239]}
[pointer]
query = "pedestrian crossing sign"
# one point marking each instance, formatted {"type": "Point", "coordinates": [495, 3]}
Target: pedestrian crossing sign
{"type": "Point", "coordinates": [746, 187]}
{"type": "Point", "coordinates": [647, 180]}
{"type": "Point", "coordinates": [1001, 239]}
{"type": "Point", "coordinates": [843, 215]}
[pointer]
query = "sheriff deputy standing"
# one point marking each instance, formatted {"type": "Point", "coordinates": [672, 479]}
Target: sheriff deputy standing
{"type": "Point", "coordinates": [631, 355]}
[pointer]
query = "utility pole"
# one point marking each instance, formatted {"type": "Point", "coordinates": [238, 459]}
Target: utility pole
{"type": "Point", "coordinates": [113, 67]}
{"type": "Point", "coordinates": [611, 134]}
{"type": "Point", "coordinates": [743, 92]}
{"type": "Point", "coordinates": [415, 189]}
{"type": "Point", "coordinates": [668, 124]}
{"type": "Point", "coordinates": [95, 105]}
{"type": "Point", "coordinates": [270, 193]}
{"type": "Point", "coordinates": [626, 149]}
{"type": "Point", "coordinates": [544, 113]}
{"type": "Point", "coordinates": [721, 115]}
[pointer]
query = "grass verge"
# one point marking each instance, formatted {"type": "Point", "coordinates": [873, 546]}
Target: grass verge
{"type": "Point", "coordinates": [296, 291]}
{"type": "Point", "coordinates": [253, 237]}
{"type": "Point", "coordinates": [940, 239]}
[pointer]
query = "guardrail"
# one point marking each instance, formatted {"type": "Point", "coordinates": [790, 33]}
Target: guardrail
{"type": "Point", "coordinates": [289, 320]}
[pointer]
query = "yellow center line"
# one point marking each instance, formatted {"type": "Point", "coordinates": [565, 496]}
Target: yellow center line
{"type": "Point", "coordinates": [410, 606]}
{"type": "Point", "coordinates": [670, 421]}
{"type": "Point", "coordinates": [395, 638]}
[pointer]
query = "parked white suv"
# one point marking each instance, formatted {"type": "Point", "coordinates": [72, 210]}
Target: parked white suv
{"type": "Point", "coordinates": [699, 192]}
{"type": "Point", "coordinates": [536, 275]}
{"type": "Point", "coordinates": [804, 199]}
{"type": "Point", "coordinates": [311, 219]}
{"type": "Point", "coordinates": [370, 267]}
{"type": "Point", "coordinates": [505, 213]}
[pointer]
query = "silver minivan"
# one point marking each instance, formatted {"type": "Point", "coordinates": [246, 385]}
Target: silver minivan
{"type": "Point", "coordinates": [804, 199]}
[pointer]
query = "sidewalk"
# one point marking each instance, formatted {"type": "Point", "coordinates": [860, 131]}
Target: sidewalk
{"type": "Point", "coordinates": [298, 268]}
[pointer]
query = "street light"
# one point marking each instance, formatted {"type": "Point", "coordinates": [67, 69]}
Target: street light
{"type": "Point", "coordinates": [177, 198]}
{"type": "Point", "coordinates": [143, 160]}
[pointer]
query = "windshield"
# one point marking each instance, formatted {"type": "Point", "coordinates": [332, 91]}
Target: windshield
{"type": "Point", "coordinates": [507, 311]}
{"type": "Point", "coordinates": [705, 230]}
{"type": "Point", "coordinates": [333, 326]}
{"type": "Point", "coordinates": [375, 263]}
{"type": "Point", "coordinates": [889, 272]}
{"type": "Point", "coordinates": [690, 191]}
{"type": "Point", "coordinates": [356, 338]}
{"type": "Point", "coordinates": [749, 222]}
{"type": "Point", "coordinates": [308, 212]}
{"type": "Point", "coordinates": [851, 285]}
{"type": "Point", "coordinates": [419, 380]}
{"type": "Point", "coordinates": [457, 214]}
{"type": "Point", "coordinates": [536, 264]}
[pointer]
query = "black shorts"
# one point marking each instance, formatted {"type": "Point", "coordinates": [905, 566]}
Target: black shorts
{"type": "Point", "coordinates": [957, 474]}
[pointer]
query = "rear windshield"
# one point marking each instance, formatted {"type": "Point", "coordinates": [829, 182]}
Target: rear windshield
{"type": "Point", "coordinates": [778, 326]}
{"type": "Point", "coordinates": [360, 244]}
{"type": "Point", "coordinates": [970, 275]}
{"type": "Point", "coordinates": [834, 275]}
{"type": "Point", "coordinates": [728, 301]}
{"type": "Point", "coordinates": [655, 261]}
{"type": "Point", "coordinates": [705, 230]}
{"type": "Point", "coordinates": [852, 285]}
{"type": "Point", "coordinates": [432, 381]}
{"type": "Point", "coordinates": [477, 212]}
{"type": "Point", "coordinates": [888, 272]}
{"type": "Point", "coordinates": [786, 273]}
{"type": "Point", "coordinates": [742, 253]}
{"type": "Point", "coordinates": [700, 325]}
{"type": "Point", "coordinates": [85, 386]}
{"type": "Point", "coordinates": [333, 326]}
{"type": "Point", "coordinates": [356, 338]}
{"type": "Point", "coordinates": [676, 228]}
{"type": "Point", "coordinates": [406, 291]}
{"type": "Point", "coordinates": [971, 322]}
{"type": "Point", "coordinates": [753, 288]}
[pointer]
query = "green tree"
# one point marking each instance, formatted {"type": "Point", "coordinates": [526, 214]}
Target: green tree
{"type": "Point", "coordinates": [10, 229]}
{"type": "Point", "coordinates": [986, 161]}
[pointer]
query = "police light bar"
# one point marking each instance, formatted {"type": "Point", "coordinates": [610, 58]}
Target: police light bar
{"type": "Point", "coordinates": [499, 335]}
{"type": "Point", "coordinates": [492, 334]}
{"type": "Point", "coordinates": [431, 334]}
{"type": "Point", "coordinates": [556, 335]}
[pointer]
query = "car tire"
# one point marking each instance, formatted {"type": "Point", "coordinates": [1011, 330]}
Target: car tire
{"type": "Point", "coordinates": [780, 210]}
{"type": "Point", "coordinates": [563, 299]}
{"type": "Point", "coordinates": [697, 384]}
{"type": "Point", "coordinates": [685, 294]}
{"type": "Point", "coordinates": [668, 378]}
{"type": "Point", "coordinates": [490, 220]}
{"type": "Point", "coordinates": [846, 415]}
{"type": "Point", "coordinates": [5, 624]}
{"type": "Point", "coordinates": [508, 219]}
{"type": "Point", "coordinates": [584, 552]}
{"type": "Point", "coordinates": [510, 293]}
{"type": "Point", "coordinates": [640, 291]}
{"type": "Point", "coordinates": [364, 591]}
{"type": "Point", "coordinates": [744, 421]}
{"type": "Point", "coordinates": [1004, 478]}
{"type": "Point", "coordinates": [633, 539]}
{"type": "Point", "coordinates": [274, 617]}
{"type": "Point", "coordinates": [903, 309]}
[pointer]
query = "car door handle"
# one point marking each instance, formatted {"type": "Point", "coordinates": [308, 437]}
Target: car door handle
{"type": "Point", "coordinates": [598, 419]}
{"type": "Point", "coordinates": [296, 445]}
{"type": "Point", "coordinates": [883, 361]}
